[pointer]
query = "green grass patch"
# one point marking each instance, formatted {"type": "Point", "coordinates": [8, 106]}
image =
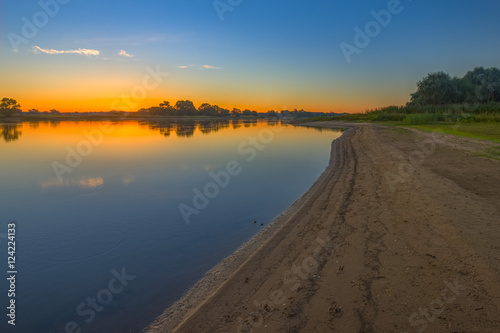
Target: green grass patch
{"type": "Point", "coordinates": [482, 131]}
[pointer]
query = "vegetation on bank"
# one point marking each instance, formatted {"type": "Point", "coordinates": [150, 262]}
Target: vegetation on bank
{"type": "Point", "coordinates": [419, 115]}
{"type": "Point", "coordinates": [479, 130]}
{"type": "Point", "coordinates": [439, 99]}
{"type": "Point", "coordinates": [181, 109]}
{"type": "Point", "coordinates": [442, 99]}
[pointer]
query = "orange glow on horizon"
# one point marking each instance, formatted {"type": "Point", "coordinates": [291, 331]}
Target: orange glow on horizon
{"type": "Point", "coordinates": [129, 105]}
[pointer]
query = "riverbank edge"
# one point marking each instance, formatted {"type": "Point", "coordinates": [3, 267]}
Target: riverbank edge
{"type": "Point", "coordinates": [215, 279]}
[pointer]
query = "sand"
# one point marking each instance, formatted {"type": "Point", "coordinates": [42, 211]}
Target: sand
{"type": "Point", "coordinates": [401, 233]}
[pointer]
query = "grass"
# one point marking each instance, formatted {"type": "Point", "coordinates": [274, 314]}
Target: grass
{"type": "Point", "coordinates": [465, 120]}
{"type": "Point", "coordinates": [483, 131]}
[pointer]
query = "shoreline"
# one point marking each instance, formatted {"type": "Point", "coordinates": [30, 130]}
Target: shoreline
{"type": "Point", "coordinates": [361, 251]}
{"type": "Point", "coordinates": [214, 279]}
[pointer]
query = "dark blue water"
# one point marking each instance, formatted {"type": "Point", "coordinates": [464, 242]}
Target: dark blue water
{"type": "Point", "coordinates": [101, 245]}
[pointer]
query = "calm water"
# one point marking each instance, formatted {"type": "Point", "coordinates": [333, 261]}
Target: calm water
{"type": "Point", "coordinates": [101, 241]}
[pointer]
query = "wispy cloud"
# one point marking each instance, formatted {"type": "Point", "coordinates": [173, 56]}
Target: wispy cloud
{"type": "Point", "coordinates": [198, 67]}
{"type": "Point", "coordinates": [87, 52]}
{"type": "Point", "coordinates": [210, 67]}
{"type": "Point", "coordinates": [124, 54]}
{"type": "Point", "coordinates": [90, 182]}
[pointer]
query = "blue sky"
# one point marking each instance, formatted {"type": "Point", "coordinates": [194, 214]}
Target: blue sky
{"type": "Point", "coordinates": [263, 55]}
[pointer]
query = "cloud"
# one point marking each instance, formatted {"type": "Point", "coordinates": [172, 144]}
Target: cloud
{"type": "Point", "coordinates": [87, 52]}
{"type": "Point", "coordinates": [127, 180]}
{"type": "Point", "coordinates": [198, 67]}
{"type": "Point", "coordinates": [210, 67]}
{"type": "Point", "coordinates": [90, 182]}
{"type": "Point", "coordinates": [125, 54]}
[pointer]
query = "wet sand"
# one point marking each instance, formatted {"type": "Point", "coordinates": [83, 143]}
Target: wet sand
{"type": "Point", "coordinates": [401, 233]}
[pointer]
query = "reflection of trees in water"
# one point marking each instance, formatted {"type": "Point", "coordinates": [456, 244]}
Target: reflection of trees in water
{"type": "Point", "coordinates": [187, 128]}
{"type": "Point", "coordinates": [164, 127]}
{"type": "Point", "coordinates": [207, 126]}
{"type": "Point", "coordinates": [223, 124]}
{"type": "Point", "coordinates": [10, 132]}
{"type": "Point", "coordinates": [34, 124]}
{"type": "Point", "coordinates": [250, 122]}
{"type": "Point", "coordinates": [273, 122]}
{"type": "Point", "coordinates": [236, 123]}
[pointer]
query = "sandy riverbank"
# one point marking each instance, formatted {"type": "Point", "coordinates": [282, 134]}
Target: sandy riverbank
{"type": "Point", "coordinates": [399, 234]}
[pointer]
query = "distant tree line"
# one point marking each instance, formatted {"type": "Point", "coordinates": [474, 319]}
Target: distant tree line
{"type": "Point", "coordinates": [479, 86]}
{"type": "Point", "coordinates": [187, 108]}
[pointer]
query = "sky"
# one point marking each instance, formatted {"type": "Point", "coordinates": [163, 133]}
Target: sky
{"type": "Point", "coordinates": [323, 56]}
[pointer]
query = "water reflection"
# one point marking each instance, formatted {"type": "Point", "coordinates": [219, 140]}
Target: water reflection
{"type": "Point", "coordinates": [10, 132]}
{"type": "Point", "coordinates": [119, 208]}
{"type": "Point", "coordinates": [181, 128]}
{"type": "Point", "coordinates": [188, 128]}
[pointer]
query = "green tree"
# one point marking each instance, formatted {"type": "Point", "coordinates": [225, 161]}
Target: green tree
{"type": "Point", "coordinates": [9, 107]}
{"type": "Point", "coordinates": [482, 85]}
{"type": "Point", "coordinates": [437, 89]}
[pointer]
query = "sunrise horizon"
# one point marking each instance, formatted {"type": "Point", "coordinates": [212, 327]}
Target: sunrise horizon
{"type": "Point", "coordinates": [78, 57]}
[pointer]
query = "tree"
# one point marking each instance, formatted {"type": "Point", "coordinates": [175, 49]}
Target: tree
{"type": "Point", "coordinates": [9, 107]}
{"type": "Point", "coordinates": [168, 110]}
{"type": "Point", "coordinates": [482, 85]}
{"type": "Point", "coordinates": [236, 112]}
{"type": "Point", "coordinates": [208, 110]}
{"type": "Point", "coordinates": [54, 112]}
{"type": "Point", "coordinates": [272, 114]}
{"type": "Point", "coordinates": [186, 108]}
{"type": "Point", "coordinates": [165, 104]}
{"type": "Point", "coordinates": [223, 112]}
{"type": "Point", "coordinates": [436, 89]}
{"type": "Point", "coordinates": [156, 111]}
